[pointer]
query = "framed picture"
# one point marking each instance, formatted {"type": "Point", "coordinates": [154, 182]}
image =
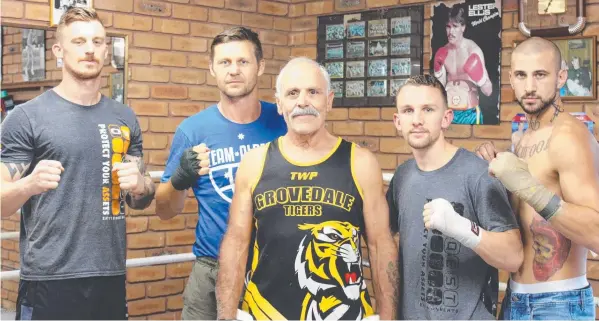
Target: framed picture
{"type": "Point", "coordinates": [580, 60]}
{"type": "Point", "coordinates": [334, 50]}
{"type": "Point", "coordinates": [355, 49]}
{"type": "Point", "coordinates": [461, 29]}
{"type": "Point", "coordinates": [335, 32]}
{"type": "Point", "coordinates": [377, 68]}
{"type": "Point", "coordinates": [59, 7]}
{"type": "Point", "coordinates": [356, 29]}
{"type": "Point", "coordinates": [337, 87]}
{"type": "Point", "coordinates": [117, 86]}
{"type": "Point", "coordinates": [400, 46]}
{"type": "Point", "coordinates": [377, 48]}
{"type": "Point", "coordinates": [118, 52]}
{"type": "Point", "coordinates": [378, 51]}
{"type": "Point", "coordinates": [401, 67]}
{"type": "Point", "coordinates": [377, 87]}
{"type": "Point", "coordinates": [348, 5]}
{"type": "Point", "coordinates": [354, 88]}
{"type": "Point", "coordinates": [33, 54]}
{"type": "Point", "coordinates": [377, 28]}
{"type": "Point", "coordinates": [355, 69]}
{"type": "Point", "coordinates": [335, 69]}
{"type": "Point", "coordinates": [401, 26]}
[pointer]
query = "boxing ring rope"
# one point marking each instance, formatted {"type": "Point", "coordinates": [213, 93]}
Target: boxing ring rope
{"type": "Point", "coordinates": [144, 261]}
{"type": "Point", "coordinates": [177, 258]}
{"type": "Point", "coordinates": [10, 235]}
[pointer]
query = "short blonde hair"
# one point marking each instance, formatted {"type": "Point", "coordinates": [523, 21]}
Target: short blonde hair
{"type": "Point", "coordinates": [74, 14]}
{"type": "Point", "coordinates": [427, 81]}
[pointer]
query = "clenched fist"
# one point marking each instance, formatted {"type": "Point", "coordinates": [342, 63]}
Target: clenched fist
{"type": "Point", "coordinates": [437, 213]}
{"type": "Point", "coordinates": [45, 176]}
{"type": "Point", "coordinates": [440, 215]}
{"type": "Point", "coordinates": [194, 162]}
{"type": "Point", "coordinates": [130, 178]}
{"type": "Point", "coordinates": [510, 170]}
{"type": "Point", "coordinates": [513, 173]}
{"type": "Point", "coordinates": [203, 157]}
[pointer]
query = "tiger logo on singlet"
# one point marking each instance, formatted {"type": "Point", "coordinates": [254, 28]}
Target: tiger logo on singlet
{"type": "Point", "coordinates": [306, 261]}
{"type": "Point", "coordinates": [329, 259]}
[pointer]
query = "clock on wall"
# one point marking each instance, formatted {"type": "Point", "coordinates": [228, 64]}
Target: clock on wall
{"type": "Point", "coordinates": [551, 18]}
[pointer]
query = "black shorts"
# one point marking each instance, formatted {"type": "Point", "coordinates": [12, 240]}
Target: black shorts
{"type": "Point", "coordinates": [94, 298]}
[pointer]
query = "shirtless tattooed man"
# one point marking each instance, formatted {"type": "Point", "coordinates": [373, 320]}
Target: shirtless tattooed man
{"type": "Point", "coordinates": [553, 178]}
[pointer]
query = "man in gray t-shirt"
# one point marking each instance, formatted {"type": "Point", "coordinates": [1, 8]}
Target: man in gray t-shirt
{"type": "Point", "coordinates": [455, 223]}
{"type": "Point", "coordinates": [72, 159]}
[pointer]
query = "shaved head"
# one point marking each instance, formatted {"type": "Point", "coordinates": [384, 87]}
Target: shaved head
{"type": "Point", "coordinates": [536, 74]}
{"type": "Point", "coordinates": [537, 45]}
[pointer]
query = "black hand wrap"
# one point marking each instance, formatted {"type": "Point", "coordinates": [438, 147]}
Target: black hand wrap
{"type": "Point", "coordinates": [187, 172]}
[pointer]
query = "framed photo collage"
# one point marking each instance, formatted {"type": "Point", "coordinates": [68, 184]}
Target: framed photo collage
{"type": "Point", "coordinates": [371, 53]}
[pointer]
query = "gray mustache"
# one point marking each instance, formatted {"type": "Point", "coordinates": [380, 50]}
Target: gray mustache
{"type": "Point", "coordinates": [304, 111]}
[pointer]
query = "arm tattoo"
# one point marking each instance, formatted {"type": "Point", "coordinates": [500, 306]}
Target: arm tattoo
{"type": "Point", "coordinates": [16, 169]}
{"type": "Point", "coordinates": [393, 276]}
{"type": "Point", "coordinates": [141, 201]}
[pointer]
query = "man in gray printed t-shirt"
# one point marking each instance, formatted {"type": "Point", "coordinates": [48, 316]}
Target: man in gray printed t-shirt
{"type": "Point", "coordinates": [72, 159]}
{"type": "Point", "coordinates": [455, 223]}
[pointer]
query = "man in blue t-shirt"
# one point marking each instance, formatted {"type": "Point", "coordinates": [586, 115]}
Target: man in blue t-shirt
{"type": "Point", "coordinates": [206, 151]}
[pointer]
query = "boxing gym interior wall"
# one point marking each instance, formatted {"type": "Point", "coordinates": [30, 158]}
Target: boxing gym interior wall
{"type": "Point", "coordinates": [22, 90]}
{"type": "Point", "coordinates": [166, 79]}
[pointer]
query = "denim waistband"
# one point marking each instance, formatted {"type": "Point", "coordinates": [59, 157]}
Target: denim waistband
{"type": "Point", "coordinates": [550, 286]}
{"type": "Point", "coordinates": [583, 295]}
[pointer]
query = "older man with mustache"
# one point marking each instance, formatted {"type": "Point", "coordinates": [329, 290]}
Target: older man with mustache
{"type": "Point", "coordinates": [307, 198]}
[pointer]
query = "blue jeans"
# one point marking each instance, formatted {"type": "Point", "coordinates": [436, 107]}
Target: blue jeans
{"type": "Point", "coordinates": [566, 305]}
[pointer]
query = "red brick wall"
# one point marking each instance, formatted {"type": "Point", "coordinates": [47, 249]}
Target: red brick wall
{"type": "Point", "coordinates": [169, 80]}
{"type": "Point", "coordinates": [12, 66]}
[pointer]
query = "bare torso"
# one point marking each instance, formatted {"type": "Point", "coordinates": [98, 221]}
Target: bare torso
{"type": "Point", "coordinates": [548, 255]}
{"type": "Point", "coordinates": [462, 93]}
{"type": "Point", "coordinates": [456, 58]}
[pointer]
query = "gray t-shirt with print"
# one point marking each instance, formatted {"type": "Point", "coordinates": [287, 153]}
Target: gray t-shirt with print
{"type": "Point", "coordinates": [442, 279]}
{"type": "Point", "coordinates": [77, 230]}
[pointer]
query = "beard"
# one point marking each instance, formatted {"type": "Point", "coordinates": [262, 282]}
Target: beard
{"type": "Point", "coordinates": [239, 93]}
{"type": "Point", "coordinates": [422, 143]}
{"type": "Point", "coordinates": [545, 103]}
{"type": "Point", "coordinates": [83, 75]}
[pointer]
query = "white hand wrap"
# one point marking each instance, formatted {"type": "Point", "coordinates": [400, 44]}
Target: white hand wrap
{"type": "Point", "coordinates": [440, 215]}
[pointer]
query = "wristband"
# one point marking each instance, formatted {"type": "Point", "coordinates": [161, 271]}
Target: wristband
{"type": "Point", "coordinates": [554, 205]}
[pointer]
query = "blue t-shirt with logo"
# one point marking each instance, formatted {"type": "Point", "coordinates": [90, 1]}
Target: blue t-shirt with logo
{"type": "Point", "coordinates": [228, 142]}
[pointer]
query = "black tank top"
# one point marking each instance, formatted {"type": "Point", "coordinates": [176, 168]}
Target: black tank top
{"type": "Point", "coordinates": [306, 261]}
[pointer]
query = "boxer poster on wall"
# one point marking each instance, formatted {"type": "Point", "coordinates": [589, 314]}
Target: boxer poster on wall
{"type": "Point", "coordinates": [466, 56]}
